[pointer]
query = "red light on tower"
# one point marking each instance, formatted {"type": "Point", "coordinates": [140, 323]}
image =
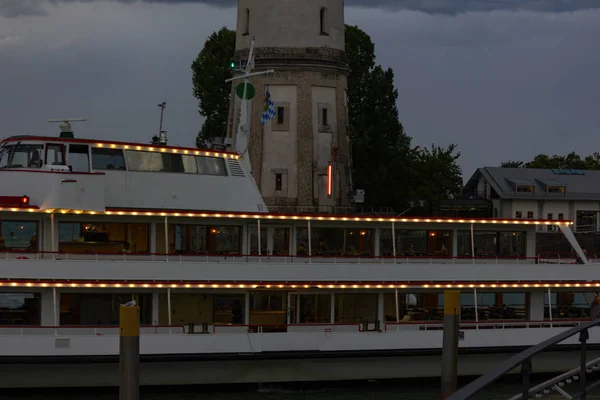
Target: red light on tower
{"type": "Point", "coordinates": [24, 200]}
{"type": "Point", "coordinates": [329, 180]}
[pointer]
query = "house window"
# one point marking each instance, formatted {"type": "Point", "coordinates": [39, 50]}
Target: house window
{"type": "Point", "coordinates": [325, 122]}
{"type": "Point", "coordinates": [519, 215]}
{"type": "Point", "coordinates": [557, 189]}
{"type": "Point", "coordinates": [323, 22]}
{"type": "Point", "coordinates": [278, 182]}
{"type": "Point", "coordinates": [246, 22]}
{"type": "Point", "coordinates": [561, 216]}
{"type": "Point", "coordinates": [280, 115]}
{"type": "Point", "coordinates": [549, 216]}
{"type": "Point", "coordinates": [529, 214]}
{"type": "Point", "coordinates": [525, 189]}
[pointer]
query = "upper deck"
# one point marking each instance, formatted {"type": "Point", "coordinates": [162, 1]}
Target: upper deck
{"type": "Point", "coordinates": [92, 175]}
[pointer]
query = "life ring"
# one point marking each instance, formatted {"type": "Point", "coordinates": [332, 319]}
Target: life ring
{"type": "Point", "coordinates": [22, 258]}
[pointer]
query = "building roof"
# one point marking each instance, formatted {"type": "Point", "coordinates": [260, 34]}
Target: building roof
{"type": "Point", "coordinates": [580, 185]}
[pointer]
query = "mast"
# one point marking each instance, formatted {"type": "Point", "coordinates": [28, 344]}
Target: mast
{"type": "Point", "coordinates": [243, 135]}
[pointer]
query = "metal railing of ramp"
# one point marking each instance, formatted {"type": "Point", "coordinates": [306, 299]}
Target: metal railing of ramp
{"type": "Point", "coordinates": [524, 360]}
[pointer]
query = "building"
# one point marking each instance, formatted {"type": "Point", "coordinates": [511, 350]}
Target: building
{"type": "Point", "coordinates": [556, 194]}
{"type": "Point", "coordinates": [300, 159]}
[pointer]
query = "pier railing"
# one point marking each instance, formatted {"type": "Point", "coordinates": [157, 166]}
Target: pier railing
{"type": "Point", "coordinates": [280, 259]}
{"type": "Point", "coordinates": [524, 359]}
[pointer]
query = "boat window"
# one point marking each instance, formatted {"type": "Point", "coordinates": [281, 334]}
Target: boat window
{"type": "Point", "coordinates": [21, 156]}
{"type": "Point", "coordinates": [108, 159]}
{"type": "Point", "coordinates": [55, 154]}
{"type": "Point", "coordinates": [211, 166]}
{"type": "Point", "coordinates": [168, 162]}
{"type": "Point", "coordinates": [144, 161]}
{"type": "Point", "coordinates": [79, 159]}
{"type": "Point", "coordinates": [20, 309]}
{"type": "Point", "coordinates": [189, 164]}
{"type": "Point", "coordinates": [101, 308]}
{"type": "Point", "coordinates": [18, 235]}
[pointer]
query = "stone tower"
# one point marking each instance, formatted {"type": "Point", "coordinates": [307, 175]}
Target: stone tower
{"type": "Point", "coordinates": [292, 155]}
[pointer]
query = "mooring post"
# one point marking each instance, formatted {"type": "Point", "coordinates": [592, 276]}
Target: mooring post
{"type": "Point", "coordinates": [526, 375]}
{"type": "Point", "coordinates": [129, 353]}
{"type": "Point", "coordinates": [584, 335]}
{"type": "Point", "coordinates": [450, 342]}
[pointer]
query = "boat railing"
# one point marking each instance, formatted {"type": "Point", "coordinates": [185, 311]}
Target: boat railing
{"type": "Point", "coordinates": [327, 328]}
{"type": "Point", "coordinates": [557, 257]}
{"type": "Point", "coordinates": [88, 330]}
{"type": "Point", "coordinates": [271, 258]}
{"type": "Point", "coordinates": [485, 324]}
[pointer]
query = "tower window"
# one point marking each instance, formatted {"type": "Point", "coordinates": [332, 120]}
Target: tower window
{"type": "Point", "coordinates": [325, 122]}
{"type": "Point", "coordinates": [246, 22]}
{"type": "Point", "coordinates": [278, 182]}
{"type": "Point", "coordinates": [323, 22]}
{"type": "Point", "coordinates": [281, 121]}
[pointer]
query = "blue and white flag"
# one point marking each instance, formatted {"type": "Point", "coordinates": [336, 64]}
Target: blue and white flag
{"type": "Point", "coordinates": [269, 111]}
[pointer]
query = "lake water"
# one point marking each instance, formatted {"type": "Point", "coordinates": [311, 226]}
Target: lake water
{"type": "Point", "coordinates": [420, 389]}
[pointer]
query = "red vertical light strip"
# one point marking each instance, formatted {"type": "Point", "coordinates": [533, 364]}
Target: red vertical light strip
{"type": "Point", "coordinates": [329, 180]}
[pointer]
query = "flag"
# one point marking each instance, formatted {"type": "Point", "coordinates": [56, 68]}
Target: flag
{"type": "Point", "coordinates": [269, 110]}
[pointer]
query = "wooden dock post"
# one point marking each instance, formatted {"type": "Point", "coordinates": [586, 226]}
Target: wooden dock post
{"type": "Point", "coordinates": [129, 353]}
{"type": "Point", "coordinates": [450, 342]}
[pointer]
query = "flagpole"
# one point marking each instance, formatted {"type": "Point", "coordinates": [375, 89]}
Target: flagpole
{"type": "Point", "coordinates": [242, 135]}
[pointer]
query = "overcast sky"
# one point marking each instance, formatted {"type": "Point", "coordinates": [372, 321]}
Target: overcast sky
{"type": "Point", "coordinates": [504, 79]}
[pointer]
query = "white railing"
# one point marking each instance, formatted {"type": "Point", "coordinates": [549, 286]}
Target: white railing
{"type": "Point", "coordinates": [267, 259]}
{"type": "Point", "coordinates": [218, 329]}
{"type": "Point", "coordinates": [98, 330]}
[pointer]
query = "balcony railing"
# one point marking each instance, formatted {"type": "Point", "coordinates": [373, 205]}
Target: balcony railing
{"type": "Point", "coordinates": [29, 256]}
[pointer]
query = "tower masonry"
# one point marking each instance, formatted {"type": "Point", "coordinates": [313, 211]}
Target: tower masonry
{"type": "Point", "coordinates": [300, 158]}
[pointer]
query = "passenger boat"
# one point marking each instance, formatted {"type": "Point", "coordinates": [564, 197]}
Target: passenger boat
{"type": "Point", "coordinates": [231, 293]}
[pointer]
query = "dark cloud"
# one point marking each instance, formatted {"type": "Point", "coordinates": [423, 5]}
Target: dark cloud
{"type": "Point", "coordinates": [16, 8]}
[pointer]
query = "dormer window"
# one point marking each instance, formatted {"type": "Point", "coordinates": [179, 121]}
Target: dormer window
{"type": "Point", "coordinates": [525, 189]}
{"type": "Point", "coordinates": [557, 189]}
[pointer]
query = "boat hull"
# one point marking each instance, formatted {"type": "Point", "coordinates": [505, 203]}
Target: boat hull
{"type": "Point", "coordinates": [275, 367]}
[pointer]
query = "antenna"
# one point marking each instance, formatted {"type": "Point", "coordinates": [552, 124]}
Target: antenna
{"type": "Point", "coordinates": [65, 127]}
{"type": "Point", "coordinates": [162, 135]}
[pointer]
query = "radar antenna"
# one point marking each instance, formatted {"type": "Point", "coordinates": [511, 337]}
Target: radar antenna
{"type": "Point", "coordinates": [65, 127]}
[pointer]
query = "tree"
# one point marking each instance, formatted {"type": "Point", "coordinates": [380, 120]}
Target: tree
{"type": "Point", "coordinates": [570, 161]}
{"type": "Point", "coordinates": [512, 164]}
{"type": "Point", "coordinates": [209, 71]}
{"type": "Point", "coordinates": [384, 163]}
{"type": "Point", "coordinates": [438, 172]}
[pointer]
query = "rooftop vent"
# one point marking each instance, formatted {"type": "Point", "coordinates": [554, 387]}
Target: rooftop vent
{"type": "Point", "coordinates": [235, 168]}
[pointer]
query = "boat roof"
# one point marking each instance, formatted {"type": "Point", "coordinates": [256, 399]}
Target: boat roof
{"type": "Point", "coordinates": [114, 144]}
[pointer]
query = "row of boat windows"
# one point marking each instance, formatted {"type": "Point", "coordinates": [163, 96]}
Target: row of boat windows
{"type": "Point", "coordinates": [77, 157]}
{"type": "Point", "coordinates": [271, 307]}
{"type": "Point", "coordinates": [95, 237]}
